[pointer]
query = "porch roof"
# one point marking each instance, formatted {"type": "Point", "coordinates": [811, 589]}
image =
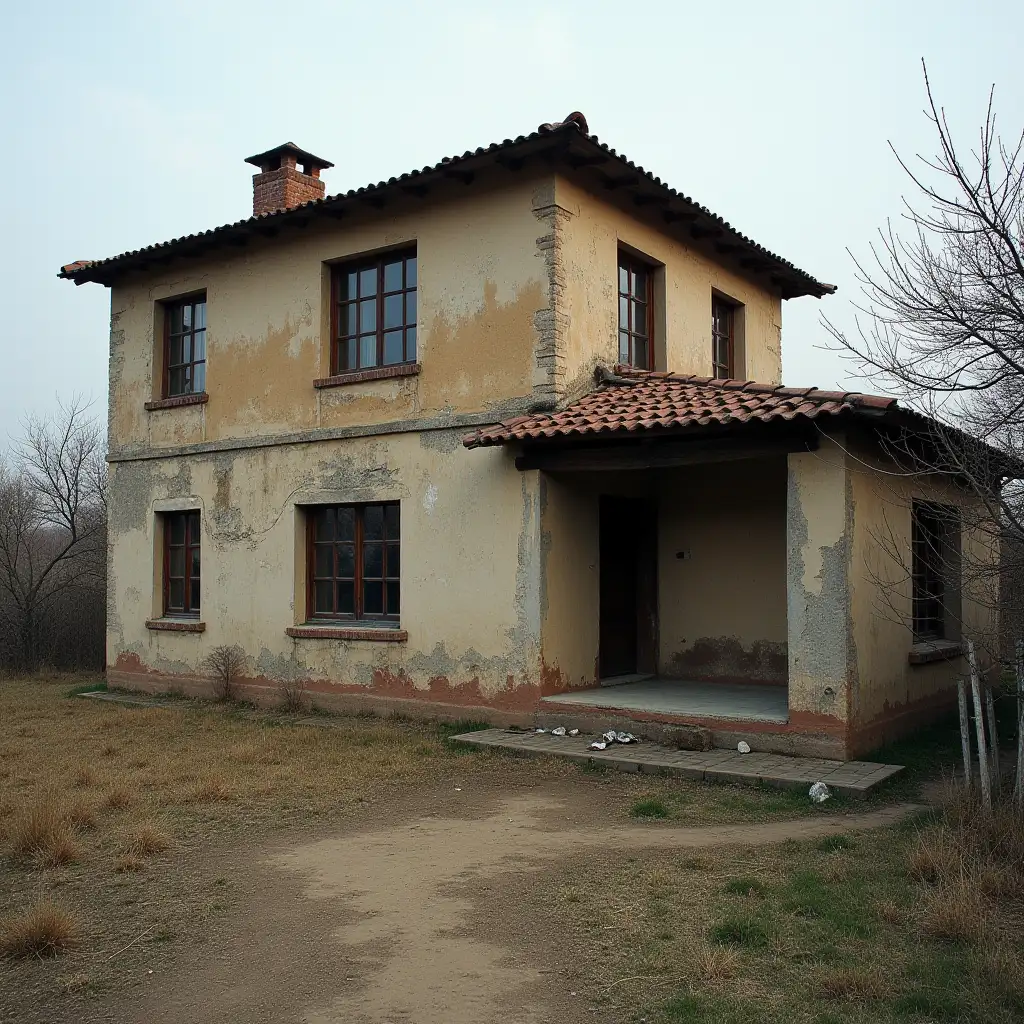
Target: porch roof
{"type": "Point", "coordinates": [637, 402]}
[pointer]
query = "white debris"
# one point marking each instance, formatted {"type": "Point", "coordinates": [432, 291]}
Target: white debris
{"type": "Point", "coordinates": [743, 747]}
{"type": "Point", "coordinates": [625, 737]}
{"type": "Point", "coordinates": [559, 731]}
{"type": "Point", "coordinates": [819, 793]}
{"type": "Point", "coordinates": [609, 736]}
{"type": "Point", "coordinates": [458, 789]}
{"type": "Point", "coordinates": [574, 732]}
{"type": "Point", "coordinates": [598, 745]}
{"type": "Point", "coordinates": [540, 730]}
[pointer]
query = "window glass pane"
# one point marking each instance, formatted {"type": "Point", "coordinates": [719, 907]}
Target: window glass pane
{"type": "Point", "coordinates": [176, 529]}
{"type": "Point", "coordinates": [392, 590]}
{"type": "Point", "coordinates": [410, 344]}
{"type": "Point", "coordinates": [640, 318]}
{"type": "Point", "coordinates": [174, 319]}
{"type": "Point", "coordinates": [323, 597]}
{"type": "Point", "coordinates": [199, 345]}
{"type": "Point", "coordinates": [393, 349]}
{"type": "Point", "coordinates": [193, 527]}
{"type": "Point", "coordinates": [410, 307]}
{"type": "Point", "coordinates": [373, 561]}
{"type": "Point", "coordinates": [373, 598]}
{"type": "Point", "coordinates": [368, 315]}
{"type": "Point", "coordinates": [174, 350]}
{"type": "Point", "coordinates": [199, 377]}
{"type": "Point", "coordinates": [346, 569]}
{"type": "Point", "coordinates": [186, 348]}
{"type": "Point", "coordinates": [640, 353]}
{"type": "Point", "coordinates": [193, 604]}
{"type": "Point", "coordinates": [186, 380]}
{"type": "Point", "coordinates": [394, 565]}
{"type": "Point", "coordinates": [623, 347]}
{"type": "Point", "coordinates": [368, 350]}
{"type": "Point", "coordinates": [393, 276]}
{"type": "Point", "coordinates": [346, 524]}
{"type": "Point", "coordinates": [410, 272]}
{"type": "Point", "coordinates": [351, 352]}
{"type": "Point", "coordinates": [350, 285]}
{"type": "Point", "coordinates": [176, 595]}
{"type": "Point", "coordinates": [323, 561]}
{"type": "Point", "coordinates": [200, 318]}
{"type": "Point", "coordinates": [624, 313]}
{"type": "Point", "coordinates": [323, 524]}
{"type": "Point", "coordinates": [193, 569]}
{"type": "Point", "coordinates": [623, 280]}
{"type": "Point", "coordinates": [391, 521]}
{"type": "Point", "coordinates": [347, 320]}
{"type": "Point", "coordinates": [186, 316]}
{"type": "Point", "coordinates": [373, 522]}
{"type": "Point", "coordinates": [640, 284]}
{"type": "Point", "coordinates": [347, 598]}
{"type": "Point", "coordinates": [176, 562]}
{"type": "Point", "coordinates": [368, 281]}
{"type": "Point", "coordinates": [393, 311]}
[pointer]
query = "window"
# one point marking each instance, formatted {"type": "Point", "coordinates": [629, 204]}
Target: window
{"type": "Point", "coordinates": [185, 347]}
{"type": "Point", "coordinates": [354, 561]}
{"type": "Point", "coordinates": [935, 540]}
{"type": "Point", "coordinates": [635, 313]}
{"type": "Point", "coordinates": [375, 313]}
{"type": "Point", "coordinates": [723, 339]}
{"type": "Point", "coordinates": [181, 563]}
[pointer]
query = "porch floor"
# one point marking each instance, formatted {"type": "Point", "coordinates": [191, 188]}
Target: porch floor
{"type": "Point", "coordinates": [751, 703]}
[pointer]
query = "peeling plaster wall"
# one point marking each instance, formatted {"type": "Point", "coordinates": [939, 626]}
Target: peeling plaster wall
{"type": "Point", "coordinates": [723, 607]}
{"type": "Point", "coordinates": [591, 231]}
{"type": "Point", "coordinates": [484, 291]}
{"type": "Point", "coordinates": [470, 566]}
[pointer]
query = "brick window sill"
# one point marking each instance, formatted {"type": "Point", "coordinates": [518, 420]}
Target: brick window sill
{"type": "Point", "coordinates": [381, 635]}
{"type": "Point", "coordinates": [173, 403]}
{"type": "Point", "coordinates": [928, 651]}
{"type": "Point", "coordinates": [376, 373]}
{"type": "Point", "coordinates": [176, 625]}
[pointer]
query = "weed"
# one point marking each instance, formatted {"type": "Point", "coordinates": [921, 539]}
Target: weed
{"type": "Point", "coordinates": [684, 1008]}
{"type": "Point", "coordinates": [44, 833]}
{"type": "Point", "coordinates": [293, 696]}
{"type": "Point", "coordinates": [745, 887]}
{"type": "Point", "coordinates": [740, 931]}
{"type": "Point", "coordinates": [45, 930]}
{"type": "Point", "coordinates": [833, 844]}
{"type": "Point", "coordinates": [85, 776]}
{"type": "Point", "coordinates": [716, 963]}
{"type": "Point", "coordinates": [118, 799]}
{"type": "Point", "coordinates": [651, 807]}
{"type": "Point", "coordinates": [955, 913]}
{"type": "Point", "coordinates": [145, 841]}
{"type": "Point", "coordinates": [853, 985]}
{"type": "Point", "coordinates": [98, 687]}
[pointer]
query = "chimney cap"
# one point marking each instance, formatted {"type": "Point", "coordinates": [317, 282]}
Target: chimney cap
{"type": "Point", "coordinates": [272, 158]}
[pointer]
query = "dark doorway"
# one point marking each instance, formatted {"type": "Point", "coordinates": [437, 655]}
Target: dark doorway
{"type": "Point", "coordinates": [629, 586]}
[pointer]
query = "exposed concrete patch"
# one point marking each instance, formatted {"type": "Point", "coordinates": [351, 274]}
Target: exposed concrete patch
{"type": "Point", "coordinates": [444, 441]}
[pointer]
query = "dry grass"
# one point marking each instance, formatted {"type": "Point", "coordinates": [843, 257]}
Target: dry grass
{"type": "Point", "coordinates": [853, 985]}
{"type": "Point", "coordinates": [118, 799]}
{"type": "Point", "coordinates": [145, 841]}
{"type": "Point", "coordinates": [44, 832]}
{"type": "Point", "coordinates": [45, 930]}
{"type": "Point", "coordinates": [128, 863]}
{"type": "Point", "coordinates": [716, 963]}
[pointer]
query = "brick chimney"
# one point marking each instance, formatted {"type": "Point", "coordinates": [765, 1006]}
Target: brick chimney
{"type": "Point", "coordinates": [280, 185]}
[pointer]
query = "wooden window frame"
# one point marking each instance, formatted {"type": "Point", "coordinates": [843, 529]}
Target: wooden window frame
{"type": "Point", "coordinates": [192, 542]}
{"type": "Point", "coordinates": [931, 537]}
{"type": "Point", "coordinates": [631, 264]}
{"type": "Point", "coordinates": [410, 340]}
{"type": "Point", "coordinates": [387, 618]}
{"type": "Point", "coordinates": [169, 306]}
{"type": "Point", "coordinates": [720, 302]}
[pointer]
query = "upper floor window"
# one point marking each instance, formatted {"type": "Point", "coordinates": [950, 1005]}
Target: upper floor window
{"type": "Point", "coordinates": [185, 346]}
{"type": "Point", "coordinates": [723, 338]}
{"type": "Point", "coordinates": [374, 312]}
{"type": "Point", "coordinates": [181, 563]}
{"type": "Point", "coordinates": [354, 561]}
{"type": "Point", "coordinates": [935, 571]}
{"type": "Point", "coordinates": [635, 313]}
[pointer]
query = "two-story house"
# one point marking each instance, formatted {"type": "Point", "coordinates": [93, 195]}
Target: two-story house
{"type": "Point", "coordinates": [505, 438]}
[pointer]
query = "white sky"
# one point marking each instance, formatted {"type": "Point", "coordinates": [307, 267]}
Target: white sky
{"type": "Point", "coordinates": [127, 123]}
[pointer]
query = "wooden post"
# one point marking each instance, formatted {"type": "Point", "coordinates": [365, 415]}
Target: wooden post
{"type": "Point", "coordinates": [979, 722]}
{"type": "Point", "coordinates": [1018, 793]}
{"type": "Point", "coordinates": [965, 730]}
{"type": "Point", "coordinates": [993, 739]}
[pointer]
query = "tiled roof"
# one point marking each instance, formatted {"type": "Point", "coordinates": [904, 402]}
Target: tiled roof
{"type": "Point", "coordinates": [637, 401]}
{"type": "Point", "coordinates": [567, 142]}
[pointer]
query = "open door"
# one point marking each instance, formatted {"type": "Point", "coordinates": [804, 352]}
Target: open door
{"type": "Point", "coordinates": [629, 586]}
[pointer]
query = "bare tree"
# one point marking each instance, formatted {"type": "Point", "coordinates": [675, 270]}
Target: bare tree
{"type": "Point", "coordinates": [52, 526]}
{"type": "Point", "coordinates": [942, 328]}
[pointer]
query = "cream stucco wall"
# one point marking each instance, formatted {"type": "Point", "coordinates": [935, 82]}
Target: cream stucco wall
{"type": "Point", "coordinates": [591, 232]}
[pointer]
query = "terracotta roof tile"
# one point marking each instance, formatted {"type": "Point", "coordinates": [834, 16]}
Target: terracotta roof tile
{"type": "Point", "coordinates": [666, 401]}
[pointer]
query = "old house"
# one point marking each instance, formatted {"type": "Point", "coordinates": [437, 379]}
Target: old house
{"type": "Point", "coordinates": [485, 438]}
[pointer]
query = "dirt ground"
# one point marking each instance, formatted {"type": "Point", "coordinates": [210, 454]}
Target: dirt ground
{"type": "Point", "coordinates": [379, 922]}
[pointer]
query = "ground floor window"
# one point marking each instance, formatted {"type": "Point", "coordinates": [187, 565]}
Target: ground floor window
{"type": "Point", "coordinates": [354, 566]}
{"type": "Point", "coordinates": [181, 563]}
{"type": "Point", "coordinates": [935, 540]}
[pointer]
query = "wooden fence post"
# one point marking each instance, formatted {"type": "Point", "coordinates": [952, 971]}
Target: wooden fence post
{"type": "Point", "coordinates": [1018, 792]}
{"type": "Point", "coordinates": [993, 739]}
{"type": "Point", "coordinates": [979, 722]}
{"type": "Point", "coordinates": [965, 730]}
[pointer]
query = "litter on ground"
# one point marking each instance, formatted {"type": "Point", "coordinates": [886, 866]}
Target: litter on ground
{"type": "Point", "coordinates": [819, 793]}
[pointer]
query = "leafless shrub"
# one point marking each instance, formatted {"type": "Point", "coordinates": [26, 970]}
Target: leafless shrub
{"type": "Point", "coordinates": [293, 696]}
{"type": "Point", "coordinates": [225, 664]}
{"type": "Point", "coordinates": [45, 930]}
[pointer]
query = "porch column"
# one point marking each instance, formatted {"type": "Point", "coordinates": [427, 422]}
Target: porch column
{"type": "Point", "coordinates": [819, 530]}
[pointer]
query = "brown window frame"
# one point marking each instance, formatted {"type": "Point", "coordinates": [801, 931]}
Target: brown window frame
{"type": "Point", "coordinates": [630, 265]}
{"type": "Point", "coordinates": [717, 336]}
{"type": "Point", "coordinates": [935, 543]}
{"type": "Point", "coordinates": [191, 542]}
{"type": "Point", "coordinates": [341, 361]}
{"type": "Point", "coordinates": [390, 543]}
{"type": "Point", "coordinates": [169, 307]}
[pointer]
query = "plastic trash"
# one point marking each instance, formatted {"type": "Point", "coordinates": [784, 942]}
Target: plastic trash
{"type": "Point", "coordinates": [598, 745]}
{"type": "Point", "coordinates": [559, 731]}
{"type": "Point", "coordinates": [609, 736]}
{"type": "Point", "coordinates": [540, 730]}
{"type": "Point", "coordinates": [625, 737]}
{"type": "Point", "coordinates": [819, 793]}
{"type": "Point", "coordinates": [574, 732]}
{"type": "Point", "coordinates": [743, 747]}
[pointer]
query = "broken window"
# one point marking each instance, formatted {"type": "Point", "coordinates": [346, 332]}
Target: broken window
{"type": "Point", "coordinates": [935, 540]}
{"type": "Point", "coordinates": [185, 347]}
{"type": "Point", "coordinates": [375, 312]}
{"type": "Point", "coordinates": [181, 563]}
{"type": "Point", "coordinates": [636, 310]}
{"type": "Point", "coordinates": [354, 561]}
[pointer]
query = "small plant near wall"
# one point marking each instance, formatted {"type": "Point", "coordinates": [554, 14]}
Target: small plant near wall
{"type": "Point", "coordinates": [293, 695]}
{"type": "Point", "coordinates": [225, 664]}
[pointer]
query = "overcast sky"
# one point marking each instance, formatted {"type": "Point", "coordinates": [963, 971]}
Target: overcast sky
{"type": "Point", "coordinates": [127, 124]}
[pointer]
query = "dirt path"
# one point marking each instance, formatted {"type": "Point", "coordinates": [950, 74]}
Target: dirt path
{"type": "Point", "coordinates": [368, 928]}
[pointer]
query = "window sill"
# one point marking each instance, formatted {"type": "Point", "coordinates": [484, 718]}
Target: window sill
{"type": "Point", "coordinates": [176, 625]}
{"type": "Point", "coordinates": [376, 373]}
{"type": "Point", "coordinates": [927, 651]}
{"type": "Point", "coordinates": [382, 634]}
{"type": "Point", "coordinates": [178, 400]}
